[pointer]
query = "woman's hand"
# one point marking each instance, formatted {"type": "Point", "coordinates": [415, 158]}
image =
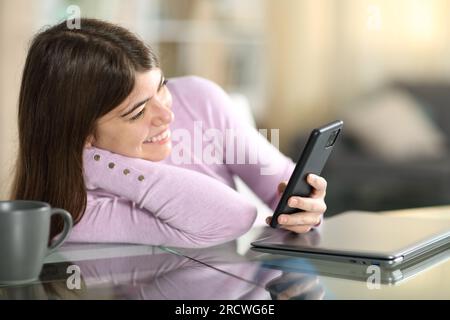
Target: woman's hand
{"type": "Point", "coordinates": [314, 207]}
{"type": "Point", "coordinates": [296, 286]}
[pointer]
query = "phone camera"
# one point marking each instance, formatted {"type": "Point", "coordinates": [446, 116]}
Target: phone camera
{"type": "Point", "coordinates": [332, 138]}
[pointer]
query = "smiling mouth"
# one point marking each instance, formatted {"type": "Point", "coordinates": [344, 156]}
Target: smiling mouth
{"type": "Point", "coordinates": [160, 138]}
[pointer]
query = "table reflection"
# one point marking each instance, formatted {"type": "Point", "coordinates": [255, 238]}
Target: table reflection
{"type": "Point", "coordinates": [166, 275]}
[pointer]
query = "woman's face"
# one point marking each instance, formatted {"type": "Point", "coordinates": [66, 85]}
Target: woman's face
{"type": "Point", "coordinates": [139, 127]}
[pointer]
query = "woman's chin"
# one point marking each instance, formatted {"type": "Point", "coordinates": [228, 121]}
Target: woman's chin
{"type": "Point", "coordinates": [160, 153]}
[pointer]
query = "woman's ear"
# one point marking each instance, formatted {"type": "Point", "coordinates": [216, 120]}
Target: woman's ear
{"type": "Point", "coordinates": [89, 141]}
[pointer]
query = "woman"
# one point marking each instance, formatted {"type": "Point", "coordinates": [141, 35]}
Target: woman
{"type": "Point", "coordinates": [95, 117]}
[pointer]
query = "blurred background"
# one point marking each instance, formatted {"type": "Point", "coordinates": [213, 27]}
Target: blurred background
{"type": "Point", "coordinates": [381, 66]}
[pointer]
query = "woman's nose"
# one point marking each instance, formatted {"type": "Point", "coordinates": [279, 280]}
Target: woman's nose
{"type": "Point", "coordinates": [162, 115]}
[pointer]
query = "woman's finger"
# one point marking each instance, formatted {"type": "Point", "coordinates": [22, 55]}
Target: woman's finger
{"type": "Point", "coordinates": [282, 187]}
{"type": "Point", "coordinates": [286, 279]}
{"type": "Point", "coordinates": [319, 185]}
{"type": "Point", "coordinates": [308, 204]}
{"type": "Point", "coordinates": [316, 293]}
{"type": "Point", "coordinates": [301, 218]}
{"type": "Point", "coordinates": [297, 289]}
{"type": "Point", "coordinates": [297, 228]}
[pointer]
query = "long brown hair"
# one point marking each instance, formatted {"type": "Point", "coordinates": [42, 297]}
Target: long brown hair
{"type": "Point", "coordinates": [71, 78]}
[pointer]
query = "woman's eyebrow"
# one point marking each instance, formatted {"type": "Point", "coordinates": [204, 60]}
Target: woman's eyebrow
{"type": "Point", "coordinates": [137, 105]}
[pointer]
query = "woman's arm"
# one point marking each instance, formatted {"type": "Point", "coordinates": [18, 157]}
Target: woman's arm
{"type": "Point", "coordinates": [260, 164]}
{"type": "Point", "coordinates": [147, 202]}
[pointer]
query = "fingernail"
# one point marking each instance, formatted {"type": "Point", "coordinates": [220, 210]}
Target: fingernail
{"type": "Point", "coordinates": [293, 202]}
{"type": "Point", "coordinates": [283, 220]}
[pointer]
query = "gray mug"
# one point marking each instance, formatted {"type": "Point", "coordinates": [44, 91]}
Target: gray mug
{"type": "Point", "coordinates": [24, 234]}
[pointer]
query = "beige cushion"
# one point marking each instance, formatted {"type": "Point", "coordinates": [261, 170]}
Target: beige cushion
{"type": "Point", "coordinates": [393, 126]}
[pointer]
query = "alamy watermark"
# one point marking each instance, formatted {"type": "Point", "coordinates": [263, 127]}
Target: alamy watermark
{"type": "Point", "coordinates": [230, 146]}
{"type": "Point", "coordinates": [74, 19]}
{"type": "Point", "coordinates": [73, 282]}
{"type": "Point", "coordinates": [374, 280]}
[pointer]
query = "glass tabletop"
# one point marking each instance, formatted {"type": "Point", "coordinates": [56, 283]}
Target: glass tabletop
{"type": "Point", "coordinates": [231, 271]}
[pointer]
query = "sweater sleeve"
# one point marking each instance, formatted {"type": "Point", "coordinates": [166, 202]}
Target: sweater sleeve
{"type": "Point", "coordinates": [137, 201]}
{"type": "Point", "coordinates": [164, 275]}
{"type": "Point", "coordinates": [247, 153]}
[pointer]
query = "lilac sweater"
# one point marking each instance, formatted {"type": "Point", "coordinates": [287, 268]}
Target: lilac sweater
{"type": "Point", "coordinates": [162, 275]}
{"type": "Point", "coordinates": [181, 204]}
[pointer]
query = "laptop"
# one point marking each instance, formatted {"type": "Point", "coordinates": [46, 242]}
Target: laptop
{"type": "Point", "coordinates": [363, 238]}
{"type": "Point", "coordinates": [389, 276]}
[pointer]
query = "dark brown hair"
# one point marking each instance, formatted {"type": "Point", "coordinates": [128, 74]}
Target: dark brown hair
{"type": "Point", "coordinates": [71, 78]}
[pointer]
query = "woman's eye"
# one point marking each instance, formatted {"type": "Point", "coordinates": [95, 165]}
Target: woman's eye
{"type": "Point", "coordinates": [165, 82]}
{"type": "Point", "coordinates": [138, 115]}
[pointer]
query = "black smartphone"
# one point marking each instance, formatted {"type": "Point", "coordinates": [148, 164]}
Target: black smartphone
{"type": "Point", "coordinates": [312, 160]}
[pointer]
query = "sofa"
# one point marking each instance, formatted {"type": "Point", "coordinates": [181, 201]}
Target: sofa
{"type": "Point", "coordinates": [394, 152]}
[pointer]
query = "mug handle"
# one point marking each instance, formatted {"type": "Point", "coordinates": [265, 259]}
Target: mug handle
{"type": "Point", "coordinates": [68, 222]}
